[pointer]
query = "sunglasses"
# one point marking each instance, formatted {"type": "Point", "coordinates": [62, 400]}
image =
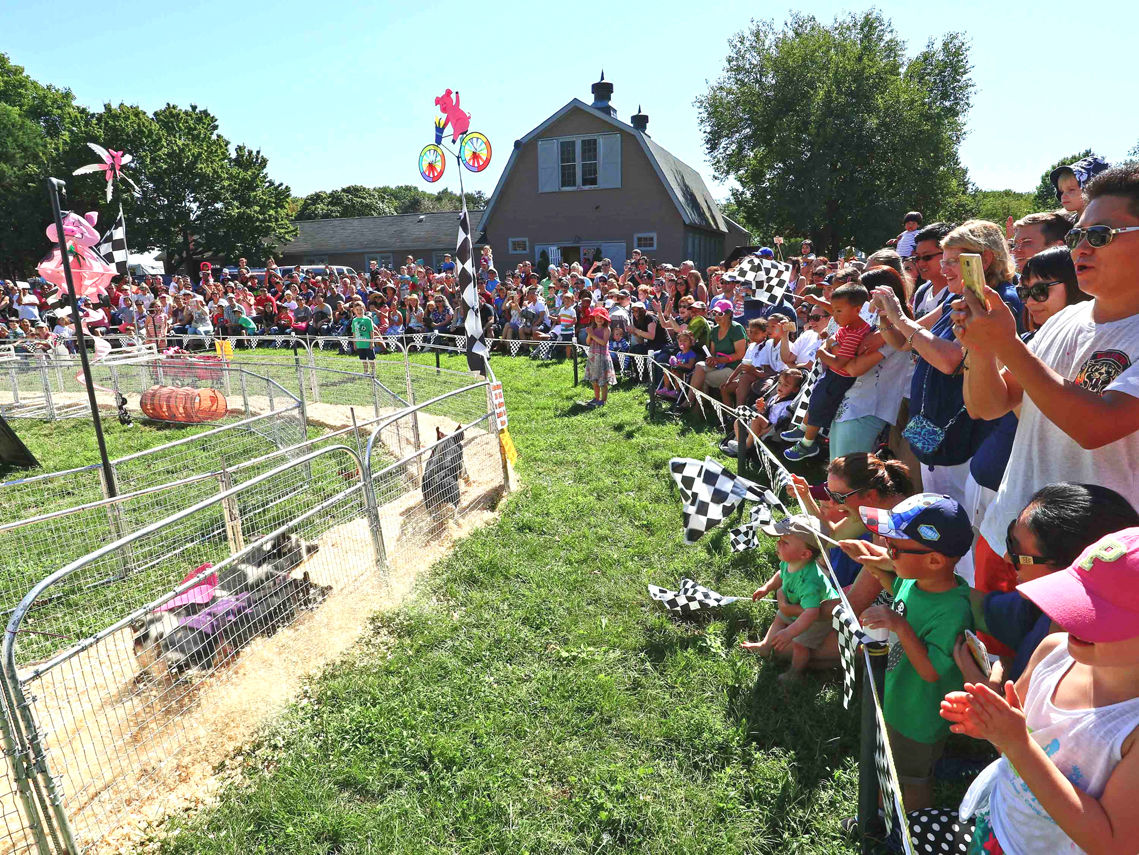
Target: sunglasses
{"type": "Point", "coordinates": [815, 317]}
{"type": "Point", "coordinates": [1018, 558]}
{"type": "Point", "coordinates": [925, 259]}
{"type": "Point", "coordinates": [840, 498]}
{"type": "Point", "coordinates": [1038, 292]}
{"type": "Point", "coordinates": [1096, 236]}
{"type": "Point", "coordinates": [893, 550]}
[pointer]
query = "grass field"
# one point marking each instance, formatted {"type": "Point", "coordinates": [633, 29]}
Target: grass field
{"type": "Point", "coordinates": [528, 698]}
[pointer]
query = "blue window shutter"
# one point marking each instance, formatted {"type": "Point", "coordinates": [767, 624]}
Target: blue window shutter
{"type": "Point", "coordinates": [609, 174]}
{"type": "Point", "coordinates": [548, 166]}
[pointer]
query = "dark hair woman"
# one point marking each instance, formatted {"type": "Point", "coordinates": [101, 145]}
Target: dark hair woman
{"type": "Point", "coordinates": [1048, 284]}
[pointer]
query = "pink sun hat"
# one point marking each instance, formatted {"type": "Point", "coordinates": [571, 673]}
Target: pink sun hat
{"type": "Point", "coordinates": [1097, 598]}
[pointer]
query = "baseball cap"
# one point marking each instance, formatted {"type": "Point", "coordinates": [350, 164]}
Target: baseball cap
{"type": "Point", "coordinates": [637, 305]}
{"type": "Point", "coordinates": [799, 524]}
{"type": "Point", "coordinates": [766, 252]}
{"type": "Point", "coordinates": [1097, 598]}
{"type": "Point", "coordinates": [932, 520]}
{"type": "Point", "coordinates": [700, 305]}
{"type": "Point", "coordinates": [722, 306]}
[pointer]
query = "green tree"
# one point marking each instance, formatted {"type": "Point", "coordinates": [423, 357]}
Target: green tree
{"type": "Point", "coordinates": [199, 199]}
{"type": "Point", "coordinates": [355, 200]}
{"type": "Point", "coordinates": [831, 131]}
{"type": "Point", "coordinates": [37, 123]}
{"type": "Point", "coordinates": [997, 206]}
{"type": "Point", "coordinates": [1045, 196]}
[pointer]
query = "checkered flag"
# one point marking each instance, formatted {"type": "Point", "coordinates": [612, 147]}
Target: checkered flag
{"type": "Point", "coordinates": [747, 414]}
{"type": "Point", "coordinates": [799, 414]}
{"type": "Point", "coordinates": [850, 635]}
{"type": "Point", "coordinates": [689, 598]}
{"type": "Point", "coordinates": [892, 810]}
{"type": "Point", "coordinates": [767, 278]}
{"type": "Point", "coordinates": [746, 536]}
{"type": "Point", "coordinates": [113, 246]}
{"type": "Point", "coordinates": [474, 345]}
{"type": "Point", "coordinates": [710, 492]}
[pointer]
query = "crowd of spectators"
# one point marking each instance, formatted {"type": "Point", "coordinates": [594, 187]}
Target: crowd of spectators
{"type": "Point", "coordinates": [982, 456]}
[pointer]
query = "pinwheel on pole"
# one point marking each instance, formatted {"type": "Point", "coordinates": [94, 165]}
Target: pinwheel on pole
{"type": "Point", "coordinates": [111, 166]}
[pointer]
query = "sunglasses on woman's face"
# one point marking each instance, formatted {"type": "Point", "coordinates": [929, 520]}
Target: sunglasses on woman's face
{"type": "Point", "coordinates": [1018, 558]}
{"type": "Point", "coordinates": [1038, 291]}
{"type": "Point", "coordinates": [840, 498]}
{"type": "Point", "coordinates": [815, 317]}
{"type": "Point", "coordinates": [1096, 236]}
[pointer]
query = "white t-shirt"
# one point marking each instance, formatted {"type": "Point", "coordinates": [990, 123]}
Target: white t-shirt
{"type": "Point", "coordinates": [929, 301]}
{"type": "Point", "coordinates": [804, 347]}
{"type": "Point", "coordinates": [1099, 357]}
{"type": "Point", "coordinates": [765, 355]}
{"type": "Point", "coordinates": [29, 307]}
{"type": "Point", "coordinates": [906, 243]}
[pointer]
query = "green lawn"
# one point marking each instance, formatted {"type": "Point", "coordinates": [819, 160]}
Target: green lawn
{"type": "Point", "coordinates": [529, 698]}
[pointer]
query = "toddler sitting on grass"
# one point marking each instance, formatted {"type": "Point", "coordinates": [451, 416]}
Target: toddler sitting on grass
{"type": "Point", "coordinates": [802, 587]}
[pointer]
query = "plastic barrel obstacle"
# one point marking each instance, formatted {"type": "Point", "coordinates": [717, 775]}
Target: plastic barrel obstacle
{"type": "Point", "coordinates": [183, 404]}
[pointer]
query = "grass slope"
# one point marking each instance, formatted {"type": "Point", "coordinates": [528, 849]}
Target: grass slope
{"type": "Point", "coordinates": [528, 698]}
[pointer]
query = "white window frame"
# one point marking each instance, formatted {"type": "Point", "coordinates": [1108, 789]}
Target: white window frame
{"type": "Point", "coordinates": [512, 251]}
{"type": "Point", "coordinates": [577, 140]}
{"type": "Point", "coordinates": [382, 259]}
{"type": "Point", "coordinates": [314, 260]}
{"type": "Point", "coordinates": [637, 241]}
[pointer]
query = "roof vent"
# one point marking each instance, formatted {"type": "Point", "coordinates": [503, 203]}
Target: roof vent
{"type": "Point", "coordinates": [602, 92]}
{"type": "Point", "coordinates": [640, 121]}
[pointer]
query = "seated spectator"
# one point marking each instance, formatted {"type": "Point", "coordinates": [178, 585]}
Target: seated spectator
{"type": "Point", "coordinates": [799, 625]}
{"type": "Point", "coordinates": [774, 412]}
{"type": "Point", "coordinates": [728, 343]}
{"type": "Point", "coordinates": [680, 366]}
{"type": "Point", "coordinates": [1065, 781]}
{"type": "Point", "coordinates": [736, 389]}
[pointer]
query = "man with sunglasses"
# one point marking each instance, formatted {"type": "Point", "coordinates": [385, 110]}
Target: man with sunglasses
{"type": "Point", "coordinates": [927, 258]}
{"type": "Point", "coordinates": [1076, 383]}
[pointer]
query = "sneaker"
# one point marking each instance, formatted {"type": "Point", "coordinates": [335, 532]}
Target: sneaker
{"type": "Point", "coordinates": [594, 403]}
{"type": "Point", "coordinates": [667, 393]}
{"type": "Point", "coordinates": [730, 447]}
{"type": "Point", "coordinates": [793, 435]}
{"type": "Point", "coordinates": [801, 451]}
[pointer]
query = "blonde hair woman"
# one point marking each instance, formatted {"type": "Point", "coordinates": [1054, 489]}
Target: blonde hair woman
{"type": "Point", "coordinates": [987, 240]}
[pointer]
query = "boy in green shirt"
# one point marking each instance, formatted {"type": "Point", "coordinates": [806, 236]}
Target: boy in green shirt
{"type": "Point", "coordinates": [924, 537]}
{"type": "Point", "coordinates": [799, 626]}
{"type": "Point", "coordinates": [363, 336]}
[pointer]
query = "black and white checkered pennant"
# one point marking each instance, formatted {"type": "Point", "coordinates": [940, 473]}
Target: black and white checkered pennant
{"type": "Point", "coordinates": [113, 246]}
{"type": "Point", "coordinates": [689, 598]}
{"type": "Point", "coordinates": [747, 414]}
{"type": "Point", "coordinates": [850, 635]}
{"type": "Point", "coordinates": [710, 492]}
{"type": "Point", "coordinates": [746, 536]}
{"type": "Point", "coordinates": [799, 414]}
{"type": "Point", "coordinates": [474, 345]}
{"type": "Point", "coordinates": [766, 277]}
{"type": "Point", "coordinates": [892, 810]}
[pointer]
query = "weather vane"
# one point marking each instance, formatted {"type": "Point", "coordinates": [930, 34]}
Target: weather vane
{"type": "Point", "coordinates": [473, 148]}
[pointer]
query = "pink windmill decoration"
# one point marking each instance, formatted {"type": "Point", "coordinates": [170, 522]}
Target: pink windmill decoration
{"type": "Point", "coordinates": [89, 271]}
{"type": "Point", "coordinates": [112, 167]}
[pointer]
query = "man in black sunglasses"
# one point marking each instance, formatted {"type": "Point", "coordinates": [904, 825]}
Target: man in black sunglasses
{"type": "Point", "coordinates": [1077, 384]}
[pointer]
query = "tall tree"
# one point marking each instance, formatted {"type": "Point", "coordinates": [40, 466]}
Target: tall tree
{"type": "Point", "coordinates": [37, 123]}
{"type": "Point", "coordinates": [1045, 198]}
{"type": "Point", "coordinates": [355, 200]}
{"type": "Point", "coordinates": [831, 131]}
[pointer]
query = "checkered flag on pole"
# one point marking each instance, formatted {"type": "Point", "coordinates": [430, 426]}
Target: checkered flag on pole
{"type": "Point", "coordinates": [710, 492]}
{"type": "Point", "coordinates": [689, 598]}
{"type": "Point", "coordinates": [850, 635]}
{"type": "Point", "coordinates": [767, 278]}
{"type": "Point", "coordinates": [799, 414]}
{"type": "Point", "coordinates": [746, 536]}
{"type": "Point", "coordinates": [468, 287]}
{"type": "Point", "coordinates": [113, 246]}
{"type": "Point", "coordinates": [892, 811]}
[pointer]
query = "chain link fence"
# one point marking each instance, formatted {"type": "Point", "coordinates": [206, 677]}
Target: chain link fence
{"type": "Point", "coordinates": [124, 684]}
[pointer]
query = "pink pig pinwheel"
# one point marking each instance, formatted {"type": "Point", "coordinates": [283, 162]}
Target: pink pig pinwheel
{"type": "Point", "coordinates": [112, 166]}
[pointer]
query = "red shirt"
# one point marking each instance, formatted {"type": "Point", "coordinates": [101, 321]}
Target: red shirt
{"type": "Point", "coordinates": [848, 340]}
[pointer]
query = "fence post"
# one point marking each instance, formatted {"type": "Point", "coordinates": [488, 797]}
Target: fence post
{"type": "Point", "coordinates": [244, 391]}
{"type": "Point", "coordinates": [375, 397]}
{"type": "Point", "coordinates": [15, 386]}
{"type": "Point", "coordinates": [233, 533]}
{"type": "Point", "coordinates": [869, 823]}
{"type": "Point", "coordinates": [414, 420]}
{"type": "Point", "coordinates": [436, 362]}
{"type": "Point", "coordinates": [312, 374]}
{"type": "Point", "coordinates": [301, 390]}
{"type": "Point", "coordinates": [503, 460]}
{"type": "Point", "coordinates": [370, 503]}
{"type": "Point", "coordinates": [17, 756]}
{"type": "Point", "coordinates": [47, 392]}
{"type": "Point", "coordinates": [741, 443]}
{"type": "Point", "coordinates": [575, 378]}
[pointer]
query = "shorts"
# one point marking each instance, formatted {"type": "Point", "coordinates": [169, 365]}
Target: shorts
{"type": "Point", "coordinates": [914, 761]}
{"type": "Point", "coordinates": [825, 398]}
{"type": "Point", "coordinates": [717, 377]}
{"type": "Point", "coordinates": [366, 353]}
{"type": "Point", "coordinates": [813, 636]}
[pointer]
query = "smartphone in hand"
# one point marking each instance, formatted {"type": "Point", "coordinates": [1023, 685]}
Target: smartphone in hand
{"type": "Point", "coordinates": [973, 275]}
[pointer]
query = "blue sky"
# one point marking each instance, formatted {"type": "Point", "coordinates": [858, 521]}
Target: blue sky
{"type": "Point", "coordinates": [337, 92]}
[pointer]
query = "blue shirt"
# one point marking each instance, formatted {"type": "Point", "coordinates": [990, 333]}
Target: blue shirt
{"type": "Point", "coordinates": [846, 569]}
{"type": "Point", "coordinates": [1017, 622]}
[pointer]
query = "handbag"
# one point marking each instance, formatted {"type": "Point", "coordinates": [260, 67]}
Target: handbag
{"type": "Point", "coordinates": [923, 435]}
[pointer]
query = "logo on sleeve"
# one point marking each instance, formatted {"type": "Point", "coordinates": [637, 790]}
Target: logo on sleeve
{"type": "Point", "coordinates": [1101, 369]}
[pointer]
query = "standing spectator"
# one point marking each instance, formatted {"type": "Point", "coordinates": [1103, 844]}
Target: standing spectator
{"type": "Point", "coordinates": [1035, 233]}
{"type": "Point", "coordinates": [1076, 385]}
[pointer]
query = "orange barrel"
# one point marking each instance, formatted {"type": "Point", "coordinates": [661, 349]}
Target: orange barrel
{"type": "Point", "coordinates": [212, 405]}
{"type": "Point", "coordinates": [183, 404]}
{"type": "Point", "coordinates": [149, 402]}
